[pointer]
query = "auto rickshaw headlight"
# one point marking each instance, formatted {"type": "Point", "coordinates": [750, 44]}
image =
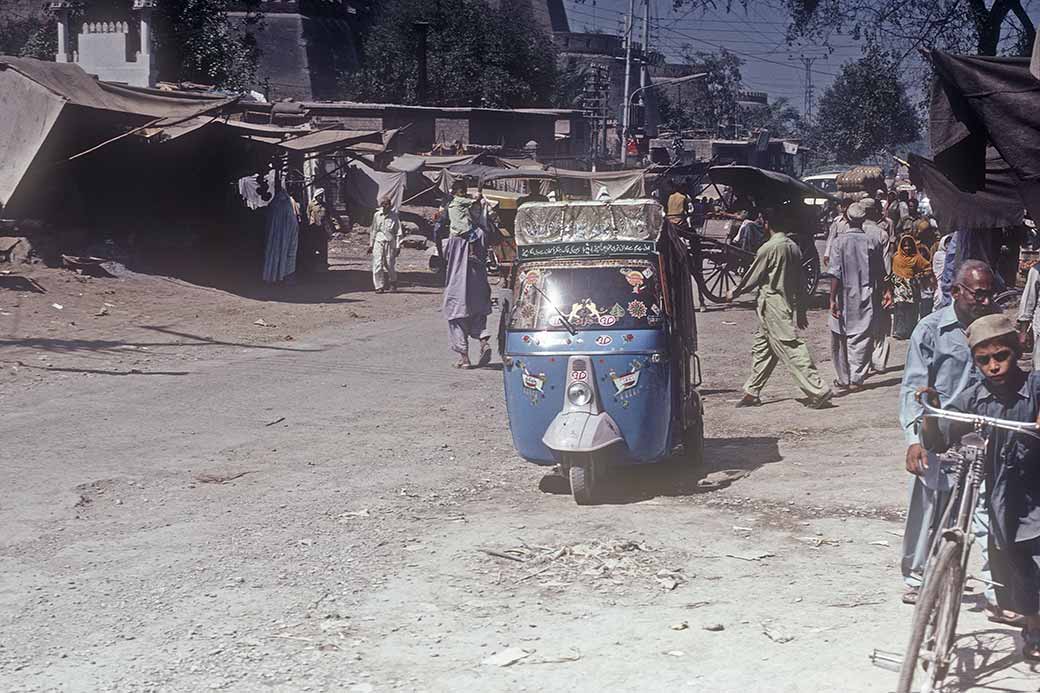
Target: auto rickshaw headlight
{"type": "Point", "coordinates": [579, 394]}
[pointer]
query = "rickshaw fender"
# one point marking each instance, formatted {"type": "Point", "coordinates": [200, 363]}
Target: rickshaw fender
{"type": "Point", "coordinates": [579, 431]}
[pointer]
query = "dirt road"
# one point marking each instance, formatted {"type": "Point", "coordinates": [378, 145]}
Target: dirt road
{"type": "Point", "coordinates": [325, 514]}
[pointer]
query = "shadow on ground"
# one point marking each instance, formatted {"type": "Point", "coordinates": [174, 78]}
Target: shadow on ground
{"type": "Point", "coordinates": [11, 282]}
{"type": "Point", "coordinates": [984, 661]}
{"type": "Point", "coordinates": [178, 339]}
{"type": "Point", "coordinates": [679, 476]}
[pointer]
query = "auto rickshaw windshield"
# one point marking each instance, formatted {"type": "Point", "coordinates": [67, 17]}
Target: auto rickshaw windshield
{"type": "Point", "coordinates": [607, 294]}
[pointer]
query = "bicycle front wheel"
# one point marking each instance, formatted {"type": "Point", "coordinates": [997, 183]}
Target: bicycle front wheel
{"type": "Point", "coordinates": [930, 650]}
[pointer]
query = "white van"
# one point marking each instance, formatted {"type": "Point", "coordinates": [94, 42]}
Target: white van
{"type": "Point", "coordinates": [827, 182]}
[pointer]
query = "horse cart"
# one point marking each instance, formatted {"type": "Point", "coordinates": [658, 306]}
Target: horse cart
{"type": "Point", "coordinates": [719, 263]}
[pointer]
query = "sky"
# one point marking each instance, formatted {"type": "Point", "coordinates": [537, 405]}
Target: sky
{"type": "Point", "coordinates": [756, 34]}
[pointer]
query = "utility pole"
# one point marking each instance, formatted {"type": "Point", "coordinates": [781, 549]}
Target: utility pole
{"type": "Point", "coordinates": [594, 102]}
{"type": "Point", "coordinates": [625, 118]}
{"type": "Point", "coordinates": [644, 74]}
{"type": "Point", "coordinates": [809, 88]}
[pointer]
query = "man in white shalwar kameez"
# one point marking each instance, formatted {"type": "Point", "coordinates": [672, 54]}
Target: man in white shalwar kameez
{"type": "Point", "coordinates": [384, 242]}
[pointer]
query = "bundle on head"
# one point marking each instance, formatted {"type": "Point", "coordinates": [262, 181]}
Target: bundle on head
{"type": "Point", "coordinates": [861, 179]}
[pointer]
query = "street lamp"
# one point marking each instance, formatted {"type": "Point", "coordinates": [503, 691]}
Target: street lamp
{"type": "Point", "coordinates": [628, 106]}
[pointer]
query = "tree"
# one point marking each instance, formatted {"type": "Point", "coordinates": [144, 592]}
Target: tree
{"type": "Point", "coordinates": [477, 55]}
{"type": "Point", "coordinates": [715, 104]}
{"type": "Point", "coordinates": [27, 32]}
{"type": "Point", "coordinates": [865, 111]}
{"type": "Point", "coordinates": [779, 117]}
{"type": "Point", "coordinates": [197, 41]}
{"type": "Point", "coordinates": [959, 25]}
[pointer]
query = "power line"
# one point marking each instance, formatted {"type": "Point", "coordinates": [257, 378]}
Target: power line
{"type": "Point", "coordinates": [743, 54]}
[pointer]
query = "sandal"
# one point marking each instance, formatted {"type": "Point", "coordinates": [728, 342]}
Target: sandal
{"type": "Point", "coordinates": [463, 363]}
{"type": "Point", "coordinates": [821, 402]}
{"type": "Point", "coordinates": [749, 401]}
{"type": "Point", "coordinates": [994, 614]}
{"type": "Point", "coordinates": [1031, 645]}
{"type": "Point", "coordinates": [911, 594]}
{"type": "Point", "coordinates": [485, 355]}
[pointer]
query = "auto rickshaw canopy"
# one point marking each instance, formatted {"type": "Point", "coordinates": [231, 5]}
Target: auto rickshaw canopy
{"type": "Point", "coordinates": [541, 223]}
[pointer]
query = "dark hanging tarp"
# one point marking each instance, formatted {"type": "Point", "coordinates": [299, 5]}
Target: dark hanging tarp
{"type": "Point", "coordinates": [980, 101]}
{"type": "Point", "coordinates": [994, 204]}
{"type": "Point", "coordinates": [975, 99]}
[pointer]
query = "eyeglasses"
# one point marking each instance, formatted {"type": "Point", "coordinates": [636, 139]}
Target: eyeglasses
{"type": "Point", "coordinates": [980, 295]}
{"type": "Point", "coordinates": [1000, 357]}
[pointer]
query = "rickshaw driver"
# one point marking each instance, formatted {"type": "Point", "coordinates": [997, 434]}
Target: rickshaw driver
{"type": "Point", "coordinates": [777, 274]}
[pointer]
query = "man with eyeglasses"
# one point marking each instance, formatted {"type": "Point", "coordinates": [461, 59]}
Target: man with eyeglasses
{"type": "Point", "coordinates": [938, 357]}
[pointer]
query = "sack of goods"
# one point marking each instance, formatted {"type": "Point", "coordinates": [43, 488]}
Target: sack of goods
{"type": "Point", "coordinates": [862, 179]}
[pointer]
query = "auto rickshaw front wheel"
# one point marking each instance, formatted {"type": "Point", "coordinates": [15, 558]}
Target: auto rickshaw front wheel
{"type": "Point", "coordinates": [583, 472]}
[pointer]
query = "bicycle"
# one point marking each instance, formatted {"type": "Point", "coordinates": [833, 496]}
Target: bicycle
{"type": "Point", "coordinates": [945, 574]}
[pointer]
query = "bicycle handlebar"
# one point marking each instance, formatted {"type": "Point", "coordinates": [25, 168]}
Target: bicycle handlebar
{"type": "Point", "coordinates": [1030, 428]}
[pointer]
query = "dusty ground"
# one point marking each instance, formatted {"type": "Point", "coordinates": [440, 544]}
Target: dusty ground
{"type": "Point", "coordinates": [119, 324]}
{"type": "Point", "coordinates": [230, 510]}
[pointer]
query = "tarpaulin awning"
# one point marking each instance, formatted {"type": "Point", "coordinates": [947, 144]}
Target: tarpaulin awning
{"type": "Point", "coordinates": [331, 140]}
{"type": "Point", "coordinates": [407, 163]}
{"type": "Point", "coordinates": [34, 93]}
{"type": "Point", "coordinates": [975, 99]}
{"type": "Point", "coordinates": [981, 101]}
{"type": "Point", "coordinates": [617, 184]}
{"type": "Point", "coordinates": [767, 187]}
{"type": "Point", "coordinates": [997, 203]}
{"type": "Point", "coordinates": [365, 186]}
{"type": "Point", "coordinates": [410, 163]}
{"type": "Point", "coordinates": [69, 82]}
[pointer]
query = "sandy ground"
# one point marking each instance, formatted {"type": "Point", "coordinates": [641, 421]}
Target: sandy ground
{"type": "Point", "coordinates": [119, 325]}
{"type": "Point", "coordinates": [197, 503]}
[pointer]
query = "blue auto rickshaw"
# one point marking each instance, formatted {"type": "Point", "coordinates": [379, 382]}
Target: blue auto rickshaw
{"type": "Point", "coordinates": [599, 341]}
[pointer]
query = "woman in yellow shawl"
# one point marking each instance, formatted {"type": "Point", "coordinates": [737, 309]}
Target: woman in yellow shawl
{"type": "Point", "coordinates": [910, 271]}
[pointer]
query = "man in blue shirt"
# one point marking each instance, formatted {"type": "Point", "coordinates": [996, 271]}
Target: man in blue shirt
{"type": "Point", "coordinates": [938, 357]}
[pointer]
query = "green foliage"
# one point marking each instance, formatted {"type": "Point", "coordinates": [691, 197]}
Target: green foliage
{"type": "Point", "coordinates": [715, 106]}
{"type": "Point", "coordinates": [717, 103]}
{"type": "Point", "coordinates": [865, 111]}
{"type": "Point", "coordinates": [779, 117]}
{"type": "Point", "coordinates": [477, 55]}
{"type": "Point", "coordinates": [196, 41]}
{"type": "Point", "coordinates": [28, 36]}
{"type": "Point", "coordinates": [968, 26]}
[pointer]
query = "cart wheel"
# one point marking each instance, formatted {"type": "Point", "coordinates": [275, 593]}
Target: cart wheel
{"type": "Point", "coordinates": [720, 272]}
{"type": "Point", "coordinates": [503, 323]}
{"type": "Point", "coordinates": [811, 273]}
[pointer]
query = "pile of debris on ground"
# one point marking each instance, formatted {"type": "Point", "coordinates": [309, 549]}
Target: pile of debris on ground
{"type": "Point", "coordinates": [605, 565]}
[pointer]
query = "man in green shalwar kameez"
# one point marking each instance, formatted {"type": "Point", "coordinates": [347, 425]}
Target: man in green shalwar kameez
{"type": "Point", "coordinates": [777, 274]}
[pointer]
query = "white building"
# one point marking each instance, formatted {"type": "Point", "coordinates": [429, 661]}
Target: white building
{"type": "Point", "coordinates": [115, 50]}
